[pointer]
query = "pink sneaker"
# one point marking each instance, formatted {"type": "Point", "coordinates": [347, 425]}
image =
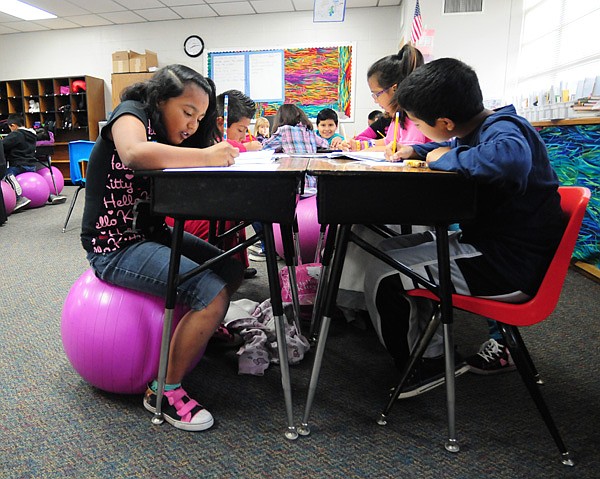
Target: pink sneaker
{"type": "Point", "coordinates": [180, 410]}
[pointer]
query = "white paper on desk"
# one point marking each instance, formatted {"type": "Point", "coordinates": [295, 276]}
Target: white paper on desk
{"type": "Point", "coordinates": [236, 167]}
{"type": "Point", "coordinates": [260, 156]}
{"type": "Point", "coordinates": [359, 155]}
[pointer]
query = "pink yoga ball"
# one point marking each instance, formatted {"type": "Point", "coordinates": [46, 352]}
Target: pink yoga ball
{"type": "Point", "coordinates": [9, 197]}
{"type": "Point", "coordinates": [58, 179]}
{"type": "Point", "coordinates": [112, 335]}
{"type": "Point", "coordinates": [35, 188]}
{"type": "Point", "coordinates": [309, 230]}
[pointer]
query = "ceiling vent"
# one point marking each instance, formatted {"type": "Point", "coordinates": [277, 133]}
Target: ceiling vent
{"type": "Point", "coordinates": [463, 6]}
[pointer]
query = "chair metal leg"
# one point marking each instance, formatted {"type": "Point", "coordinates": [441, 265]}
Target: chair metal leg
{"type": "Point", "coordinates": [524, 349]}
{"type": "Point", "coordinates": [71, 206]}
{"type": "Point", "coordinates": [415, 356]}
{"type": "Point", "coordinates": [527, 371]}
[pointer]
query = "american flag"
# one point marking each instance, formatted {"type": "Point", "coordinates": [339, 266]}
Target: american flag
{"type": "Point", "coordinates": [417, 25]}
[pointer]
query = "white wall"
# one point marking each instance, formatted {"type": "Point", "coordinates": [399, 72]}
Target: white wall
{"type": "Point", "coordinates": [482, 40]}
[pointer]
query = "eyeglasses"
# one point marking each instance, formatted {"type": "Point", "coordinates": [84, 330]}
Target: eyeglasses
{"type": "Point", "coordinates": [379, 93]}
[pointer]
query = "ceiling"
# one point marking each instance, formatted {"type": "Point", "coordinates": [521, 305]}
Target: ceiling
{"type": "Point", "coordinates": [92, 13]}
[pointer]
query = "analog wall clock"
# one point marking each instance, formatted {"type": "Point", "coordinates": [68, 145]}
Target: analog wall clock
{"type": "Point", "coordinates": [193, 46]}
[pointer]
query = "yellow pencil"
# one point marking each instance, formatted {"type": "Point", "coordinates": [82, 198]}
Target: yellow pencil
{"type": "Point", "coordinates": [381, 134]}
{"type": "Point", "coordinates": [395, 131]}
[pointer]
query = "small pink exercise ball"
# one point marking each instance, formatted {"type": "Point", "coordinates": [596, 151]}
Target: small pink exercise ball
{"type": "Point", "coordinates": [309, 230]}
{"type": "Point", "coordinates": [35, 188]}
{"type": "Point", "coordinates": [112, 335]}
{"type": "Point", "coordinates": [58, 179]}
{"type": "Point", "coordinates": [9, 197]}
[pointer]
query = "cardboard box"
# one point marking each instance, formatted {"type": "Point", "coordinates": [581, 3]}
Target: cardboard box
{"type": "Point", "coordinates": [142, 62]}
{"type": "Point", "coordinates": [120, 61]}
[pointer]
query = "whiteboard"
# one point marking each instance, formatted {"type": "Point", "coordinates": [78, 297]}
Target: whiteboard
{"type": "Point", "coordinates": [258, 74]}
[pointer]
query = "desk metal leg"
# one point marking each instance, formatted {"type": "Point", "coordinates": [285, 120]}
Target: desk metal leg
{"type": "Point", "coordinates": [323, 282]}
{"type": "Point", "coordinates": [170, 301]}
{"type": "Point", "coordinates": [275, 290]}
{"type": "Point", "coordinates": [330, 297]}
{"type": "Point", "coordinates": [447, 319]}
{"type": "Point", "coordinates": [290, 256]}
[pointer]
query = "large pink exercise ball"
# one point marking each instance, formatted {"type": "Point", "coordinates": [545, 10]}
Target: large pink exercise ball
{"type": "Point", "coordinates": [112, 335]}
{"type": "Point", "coordinates": [309, 230]}
{"type": "Point", "coordinates": [58, 179]}
{"type": "Point", "coordinates": [35, 188]}
{"type": "Point", "coordinates": [9, 197]}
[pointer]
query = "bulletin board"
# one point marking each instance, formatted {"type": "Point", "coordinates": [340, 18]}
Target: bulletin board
{"type": "Point", "coordinates": [312, 77]}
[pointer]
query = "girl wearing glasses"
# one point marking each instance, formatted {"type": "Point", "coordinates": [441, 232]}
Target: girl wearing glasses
{"type": "Point", "coordinates": [383, 78]}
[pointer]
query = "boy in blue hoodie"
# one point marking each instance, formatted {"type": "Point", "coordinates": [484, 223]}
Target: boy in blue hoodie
{"type": "Point", "coordinates": [504, 252]}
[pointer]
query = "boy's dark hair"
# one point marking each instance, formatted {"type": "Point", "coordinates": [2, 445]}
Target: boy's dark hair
{"type": "Point", "coordinates": [444, 88]}
{"type": "Point", "coordinates": [375, 114]}
{"type": "Point", "coordinates": [288, 114]}
{"type": "Point", "coordinates": [392, 69]}
{"type": "Point", "coordinates": [327, 114]}
{"type": "Point", "coordinates": [169, 82]}
{"type": "Point", "coordinates": [239, 106]}
{"type": "Point", "coordinates": [15, 119]}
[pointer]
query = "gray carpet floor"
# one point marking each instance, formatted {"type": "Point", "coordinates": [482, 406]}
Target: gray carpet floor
{"type": "Point", "coordinates": [55, 425]}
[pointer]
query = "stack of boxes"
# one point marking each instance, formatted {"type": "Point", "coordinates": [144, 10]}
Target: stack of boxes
{"type": "Point", "coordinates": [128, 61]}
{"type": "Point", "coordinates": [130, 67]}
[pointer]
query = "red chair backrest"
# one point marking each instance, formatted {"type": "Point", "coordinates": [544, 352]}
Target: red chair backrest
{"type": "Point", "coordinates": [574, 201]}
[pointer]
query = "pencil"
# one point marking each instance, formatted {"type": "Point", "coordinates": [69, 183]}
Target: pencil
{"type": "Point", "coordinates": [395, 132]}
{"type": "Point", "coordinates": [225, 108]}
{"type": "Point", "coordinates": [343, 130]}
{"type": "Point", "coordinates": [380, 134]}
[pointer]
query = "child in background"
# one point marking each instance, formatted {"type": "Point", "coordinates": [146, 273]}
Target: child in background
{"type": "Point", "coordinates": [261, 129]}
{"type": "Point", "coordinates": [504, 252]}
{"type": "Point", "coordinates": [383, 78]}
{"type": "Point", "coordinates": [293, 132]}
{"type": "Point", "coordinates": [377, 129]}
{"type": "Point", "coordinates": [374, 116]}
{"type": "Point", "coordinates": [327, 123]}
{"type": "Point", "coordinates": [19, 148]}
{"type": "Point", "coordinates": [144, 132]}
{"type": "Point", "coordinates": [240, 111]}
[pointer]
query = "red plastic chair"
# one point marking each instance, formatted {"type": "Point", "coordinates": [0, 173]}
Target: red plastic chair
{"type": "Point", "coordinates": [509, 315]}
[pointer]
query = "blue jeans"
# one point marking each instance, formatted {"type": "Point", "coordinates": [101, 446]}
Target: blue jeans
{"type": "Point", "coordinates": [144, 266]}
{"type": "Point", "coordinates": [17, 170]}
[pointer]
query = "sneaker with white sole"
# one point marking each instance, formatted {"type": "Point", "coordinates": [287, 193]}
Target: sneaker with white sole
{"type": "Point", "coordinates": [56, 199]}
{"type": "Point", "coordinates": [22, 202]}
{"type": "Point", "coordinates": [493, 358]}
{"type": "Point", "coordinates": [258, 257]}
{"type": "Point", "coordinates": [180, 410]}
{"type": "Point", "coordinates": [429, 374]}
{"type": "Point", "coordinates": [255, 248]}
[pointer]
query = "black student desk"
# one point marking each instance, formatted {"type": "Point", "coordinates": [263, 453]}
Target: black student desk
{"type": "Point", "coordinates": [268, 195]}
{"type": "Point", "coordinates": [351, 192]}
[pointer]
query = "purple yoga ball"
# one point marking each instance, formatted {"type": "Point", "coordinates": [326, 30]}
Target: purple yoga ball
{"type": "Point", "coordinates": [112, 335]}
{"type": "Point", "coordinates": [58, 179]}
{"type": "Point", "coordinates": [309, 230]}
{"type": "Point", "coordinates": [35, 188]}
{"type": "Point", "coordinates": [9, 197]}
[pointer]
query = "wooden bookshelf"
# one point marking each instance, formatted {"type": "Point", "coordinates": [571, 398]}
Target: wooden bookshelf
{"type": "Point", "coordinates": [75, 113]}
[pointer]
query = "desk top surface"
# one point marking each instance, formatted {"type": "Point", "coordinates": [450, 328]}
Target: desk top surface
{"type": "Point", "coordinates": [282, 165]}
{"type": "Point", "coordinates": [341, 166]}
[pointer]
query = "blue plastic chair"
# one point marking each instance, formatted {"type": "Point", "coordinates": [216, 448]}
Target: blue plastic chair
{"type": "Point", "coordinates": [79, 153]}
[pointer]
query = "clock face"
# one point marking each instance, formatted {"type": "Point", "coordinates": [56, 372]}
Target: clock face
{"type": "Point", "coordinates": [193, 46]}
